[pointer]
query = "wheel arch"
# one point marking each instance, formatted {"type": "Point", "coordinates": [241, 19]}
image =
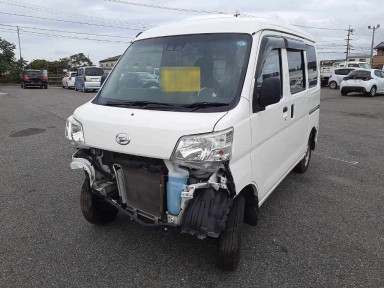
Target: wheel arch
{"type": "Point", "coordinates": [251, 197]}
{"type": "Point", "coordinates": [313, 137]}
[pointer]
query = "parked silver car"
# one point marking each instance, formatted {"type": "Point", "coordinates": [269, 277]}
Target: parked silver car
{"type": "Point", "coordinates": [338, 76]}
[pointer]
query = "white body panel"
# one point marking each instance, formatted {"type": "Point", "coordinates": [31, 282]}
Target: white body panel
{"type": "Point", "coordinates": [153, 133]}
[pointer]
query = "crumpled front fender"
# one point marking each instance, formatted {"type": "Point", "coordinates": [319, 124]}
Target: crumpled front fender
{"type": "Point", "coordinates": [81, 163]}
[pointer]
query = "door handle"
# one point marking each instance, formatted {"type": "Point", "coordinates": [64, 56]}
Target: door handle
{"type": "Point", "coordinates": [292, 110]}
{"type": "Point", "coordinates": [285, 109]}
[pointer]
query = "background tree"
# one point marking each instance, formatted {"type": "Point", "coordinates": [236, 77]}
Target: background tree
{"type": "Point", "coordinates": [78, 60]}
{"type": "Point", "coordinates": [7, 56]}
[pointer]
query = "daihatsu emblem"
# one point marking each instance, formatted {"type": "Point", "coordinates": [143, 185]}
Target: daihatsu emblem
{"type": "Point", "coordinates": [123, 139]}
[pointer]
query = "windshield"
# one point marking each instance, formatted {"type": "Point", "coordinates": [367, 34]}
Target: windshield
{"type": "Point", "coordinates": [359, 74]}
{"type": "Point", "coordinates": [195, 72]}
{"type": "Point", "coordinates": [34, 73]}
{"type": "Point", "coordinates": [365, 66]}
{"type": "Point", "coordinates": [94, 71]}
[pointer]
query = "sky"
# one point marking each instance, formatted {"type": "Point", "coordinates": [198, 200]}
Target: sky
{"type": "Point", "coordinates": [118, 21]}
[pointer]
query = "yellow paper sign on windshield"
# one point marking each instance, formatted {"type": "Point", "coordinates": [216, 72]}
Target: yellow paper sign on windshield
{"type": "Point", "coordinates": [180, 79]}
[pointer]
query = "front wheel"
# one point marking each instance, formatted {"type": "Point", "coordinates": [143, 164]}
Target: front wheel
{"type": "Point", "coordinates": [230, 239]}
{"type": "Point", "coordinates": [94, 209]}
{"type": "Point", "coordinates": [333, 85]}
{"type": "Point", "coordinates": [344, 93]}
{"type": "Point", "coordinates": [372, 92]}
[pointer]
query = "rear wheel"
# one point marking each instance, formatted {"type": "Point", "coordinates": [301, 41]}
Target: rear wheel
{"type": "Point", "coordinates": [344, 93]}
{"type": "Point", "coordinates": [333, 85]}
{"type": "Point", "coordinates": [303, 165]}
{"type": "Point", "coordinates": [94, 209]}
{"type": "Point", "coordinates": [372, 92]}
{"type": "Point", "coordinates": [230, 239]}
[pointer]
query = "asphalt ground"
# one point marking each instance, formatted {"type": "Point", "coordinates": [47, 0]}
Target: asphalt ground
{"type": "Point", "coordinates": [321, 229]}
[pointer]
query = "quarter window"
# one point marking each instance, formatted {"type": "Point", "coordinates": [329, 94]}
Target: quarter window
{"type": "Point", "coordinates": [312, 66]}
{"type": "Point", "coordinates": [296, 71]}
{"type": "Point", "coordinates": [271, 68]}
{"type": "Point", "coordinates": [378, 73]}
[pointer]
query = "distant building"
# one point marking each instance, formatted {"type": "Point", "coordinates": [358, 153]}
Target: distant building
{"type": "Point", "coordinates": [109, 62]}
{"type": "Point", "coordinates": [354, 57]}
{"type": "Point", "coordinates": [378, 60]}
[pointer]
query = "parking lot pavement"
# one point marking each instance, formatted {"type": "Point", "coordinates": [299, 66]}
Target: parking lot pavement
{"type": "Point", "coordinates": [321, 229]}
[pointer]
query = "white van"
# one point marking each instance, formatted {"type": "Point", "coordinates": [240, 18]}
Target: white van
{"type": "Point", "coordinates": [236, 109]}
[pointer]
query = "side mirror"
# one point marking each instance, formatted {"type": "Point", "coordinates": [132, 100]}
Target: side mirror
{"type": "Point", "coordinates": [270, 92]}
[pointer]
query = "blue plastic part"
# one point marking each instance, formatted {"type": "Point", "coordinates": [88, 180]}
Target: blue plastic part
{"type": "Point", "coordinates": [175, 186]}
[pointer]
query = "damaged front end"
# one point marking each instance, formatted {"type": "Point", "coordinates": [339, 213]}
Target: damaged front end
{"type": "Point", "coordinates": [193, 191]}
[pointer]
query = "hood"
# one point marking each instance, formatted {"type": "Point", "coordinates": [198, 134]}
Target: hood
{"type": "Point", "coordinates": [153, 133]}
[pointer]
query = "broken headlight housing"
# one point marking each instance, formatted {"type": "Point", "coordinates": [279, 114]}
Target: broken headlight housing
{"type": "Point", "coordinates": [204, 151]}
{"type": "Point", "coordinates": [74, 132]}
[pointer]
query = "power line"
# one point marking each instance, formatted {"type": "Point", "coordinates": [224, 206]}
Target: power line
{"type": "Point", "coordinates": [62, 31]}
{"type": "Point", "coordinates": [68, 21]}
{"type": "Point", "coordinates": [62, 36]}
{"type": "Point", "coordinates": [168, 8]}
{"type": "Point", "coordinates": [211, 12]}
{"type": "Point", "coordinates": [66, 13]}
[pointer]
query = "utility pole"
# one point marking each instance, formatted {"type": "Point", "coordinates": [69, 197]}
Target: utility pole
{"type": "Point", "coordinates": [18, 36]}
{"type": "Point", "coordinates": [350, 32]}
{"type": "Point", "coordinates": [373, 39]}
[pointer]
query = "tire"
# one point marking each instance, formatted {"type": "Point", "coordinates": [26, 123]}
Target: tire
{"type": "Point", "coordinates": [303, 165]}
{"type": "Point", "coordinates": [229, 245]}
{"type": "Point", "coordinates": [333, 85]}
{"type": "Point", "coordinates": [63, 86]}
{"type": "Point", "coordinates": [46, 86]}
{"type": "Point", "coordinates": [344, 93]}
{"type": "Point", "coordinates": [23, 85]}
{"type": "Point", "coordinates": [372, 92]}
{"type": "Point", "coordinates": [94, 209]}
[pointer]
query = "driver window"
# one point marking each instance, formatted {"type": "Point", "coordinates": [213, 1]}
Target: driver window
{"type": "Point", "coordinates": [271, 68]}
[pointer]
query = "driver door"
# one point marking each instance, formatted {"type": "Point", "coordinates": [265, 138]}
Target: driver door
{"type": "Point", "coordinates": [268, 125]}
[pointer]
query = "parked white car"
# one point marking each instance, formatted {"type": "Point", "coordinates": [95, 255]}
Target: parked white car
{"type": "Point", "coordinates": [68, 80]}
{"type": "Point", "coordinates": [337, 76]}
{"type": "Point", "coordinates": [236, 110]}
{"type": "Point", "coordinates": [367, 81]}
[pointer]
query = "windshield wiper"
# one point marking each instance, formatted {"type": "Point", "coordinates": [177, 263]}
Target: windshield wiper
{"type": "Point", "coordinates": [136, 103]}
{"type": "Point", "coordinates": [198, 105]}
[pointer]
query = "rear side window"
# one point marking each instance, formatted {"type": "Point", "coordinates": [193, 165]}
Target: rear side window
{"type": "Point", "coordinates": [73, 74]}
{"type": "Point", "coordinates": [312, 66]}
{"type": "Point", "coordinates": [94, 71]}
{"type": "Point", "coordinates": [296, 71]}
{"type": "Point", "coordinates": [378, 74]}
{"type": "Point", "coordinates": [339, 72]}
{"type": "Point", "coordinates": [271, 68]}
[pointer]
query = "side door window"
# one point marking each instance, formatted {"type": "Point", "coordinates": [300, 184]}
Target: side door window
{"type": "Point", "coordinates": [312, 66]}
{"type": "Point", "coordinates": [271, 68]}
{"type": "Point", "coordinates": [296, 71]}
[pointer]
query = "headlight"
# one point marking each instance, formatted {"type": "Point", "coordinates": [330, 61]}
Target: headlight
{"type": "Point", "coordinates": [74, 131]}
{"type": "Point", "coordinates": [204, 151]}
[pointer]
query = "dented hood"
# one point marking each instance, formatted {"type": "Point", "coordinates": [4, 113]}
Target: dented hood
{"type": "Point", "coordinates": [152, 133]}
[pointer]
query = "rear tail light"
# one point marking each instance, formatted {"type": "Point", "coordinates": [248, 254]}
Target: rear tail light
{"type": "Point", "coordinates": [85, 78]}
{"type": "Point", "coordinates": [45, 78]}
{"type": "Point", "coordinates": [70, 78]}
{"type": "Point", "coordinates": [26, 77]}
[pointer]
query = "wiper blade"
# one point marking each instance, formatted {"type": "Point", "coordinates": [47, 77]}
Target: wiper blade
{"type": "Point", "coordinates": [198, 105]}
{"type": "Point", "coordinates": [135, 103]}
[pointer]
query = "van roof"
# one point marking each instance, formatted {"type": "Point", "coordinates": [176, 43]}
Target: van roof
{"type": "Point", "coordinates": [222, 24]}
